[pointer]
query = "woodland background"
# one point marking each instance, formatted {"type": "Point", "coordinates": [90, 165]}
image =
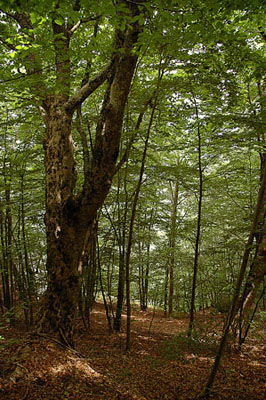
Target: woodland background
{"type": "Point", "coordinates": [179, 220]}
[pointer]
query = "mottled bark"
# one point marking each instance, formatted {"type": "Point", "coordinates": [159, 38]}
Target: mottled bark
{"type": "Point", "coordinates": [69, 217]}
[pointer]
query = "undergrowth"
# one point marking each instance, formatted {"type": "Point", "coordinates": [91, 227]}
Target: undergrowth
{"type": "Point", "coordinates": [180, 344]}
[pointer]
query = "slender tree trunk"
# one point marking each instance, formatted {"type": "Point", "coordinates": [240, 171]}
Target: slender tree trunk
{"type": "Point", "coordinates": [197, 245]}
{"type": "Point", "coordinates": [255, 277]}
{"type": "Point", "coordinates": [121, 277]}
{"type": "Point", "coordinates": [133, 212]}
{"type": "Point", "coordinates": [120, 291]}
{"type": "Point", "coordinates": [166, 279]}
{"type": "Point", "coordinates": [30, 285]}
{"type": "Point", "coordinates": [146, 280]}
{"type": "Point", "coordinates": [242, 337]}
{"type": "Point", "coordinates": [259, 206]}
{"type": "Point", "coordinates": [172, 245]}
{"type": "Point", "coordinates": [258, 266]}
{"type": "Point", "coordinates": [122, 233]}
{"type": "Point", "coordinates": [107, 313]}
{"type": "Point", "coordinates": [8, 265]}
{"type": "Point", "coordinates": [5, 268]}
{"type": "Point", "coordinates": [144, 267]}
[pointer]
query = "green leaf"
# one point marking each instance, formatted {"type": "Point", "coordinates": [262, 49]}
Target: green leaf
{"type": "Point", "coordinates": [33, 18]}
{"type": "Point", "coordinates": [59, 21]}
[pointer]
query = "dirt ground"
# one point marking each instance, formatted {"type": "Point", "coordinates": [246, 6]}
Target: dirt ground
{"type": "Point", "coordinates": [162, 363]}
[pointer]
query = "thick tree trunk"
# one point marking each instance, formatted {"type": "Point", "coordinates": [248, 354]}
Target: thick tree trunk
{"type": "Point", "coordinates": [65, 239]}
{"type": "Point", "coordinates": [68, 215]}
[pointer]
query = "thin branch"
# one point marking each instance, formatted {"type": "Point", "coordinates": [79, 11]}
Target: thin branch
{"type": "Point", "coordinates": [80, 22]}
{"type": "Point", "coordinates": [88, 89]}
{"type": "Point", "coordinates": [125, 156]}
{"type": "Point", "coordinates": [8, 45]}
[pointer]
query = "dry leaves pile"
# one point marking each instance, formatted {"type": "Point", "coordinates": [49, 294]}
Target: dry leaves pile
{"type": "Point", "coordinates": [162, 364]}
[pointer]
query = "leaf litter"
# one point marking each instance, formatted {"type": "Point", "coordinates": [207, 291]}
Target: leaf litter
{"type": "Point", "coordinates": [162, 363]}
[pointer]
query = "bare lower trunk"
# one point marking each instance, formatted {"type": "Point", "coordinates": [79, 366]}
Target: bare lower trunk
{"type": "Point", "coordinates": [255, 278]}
{"type": "Point", "coordinates": [197, 244]}
{"type": "Point", "coordinates": [64, 237]}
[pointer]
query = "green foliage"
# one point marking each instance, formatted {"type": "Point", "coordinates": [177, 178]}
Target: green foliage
{"type": "Point", "coordinates": [180, 345]}
{"type": "Point", "coordinates": [5, 320]}
{"type": "Point", "coordinates": [222, 303]}
{"type": "Point", "coordinates": [210, 50]}
{"type": "Point", "coordinates": [153, 362]}
{"type": "Point", "coordinates": [258, 325]}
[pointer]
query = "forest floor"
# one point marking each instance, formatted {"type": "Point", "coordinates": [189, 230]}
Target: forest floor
{"type": "Point", "coordinates": [162, 363]}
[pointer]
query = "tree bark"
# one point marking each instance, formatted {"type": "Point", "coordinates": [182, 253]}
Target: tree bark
{"type": "Point", "coordinates": [197, 245]}
{"type": "Point", "coordinates": [233, 309]}
{"type": "Point", "coordinates": [134, 208]}
{"type": "Point", "coordinates": [172, 245]}
{"type": "Point", "coordinates": [69, 216]}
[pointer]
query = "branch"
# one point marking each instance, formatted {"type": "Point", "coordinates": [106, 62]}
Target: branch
{"type": "Point", "coordinates": [88, 89]}
{"type": "Point", "coordinates": [82, 21]}
{"type": "Point", "coordinates": [125, 156]}
{"type": "Point", "coordinates": [8, 45]}
{"type": "Point", "coordinates": [31, 63]}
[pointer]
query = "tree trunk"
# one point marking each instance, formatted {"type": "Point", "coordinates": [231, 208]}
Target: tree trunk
{"type": "Point", "coordinates": [255, 277]}
{"type": "Point", "coordinates": [134, 208]}
{"type": "Point", "coordinates": [197, 245]}
{"type": "Point", "coordinates": [68, 216]}
{"type": "Point", "coordinates": [233, 309]}
{"type": "Point", "coordinates": [172, 245]}
{"type": "Point", "coordinates": [89, 269]}
{"type": "Point", "coordinates": [166, 279]}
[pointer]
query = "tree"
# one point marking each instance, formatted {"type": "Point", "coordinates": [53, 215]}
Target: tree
{"type": "Point", "coordinates": [70, 211]}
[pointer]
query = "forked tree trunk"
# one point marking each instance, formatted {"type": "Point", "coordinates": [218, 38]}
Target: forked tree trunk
{"type": "Point", "coordinates": [68, 216]}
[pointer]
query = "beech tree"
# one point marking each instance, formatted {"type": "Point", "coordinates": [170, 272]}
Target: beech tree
{"type": "Point", "coordinates": [70, 211]}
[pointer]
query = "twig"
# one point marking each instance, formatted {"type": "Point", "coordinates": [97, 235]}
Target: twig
{"type": "Point", "coordinates": [25, 394]}
{"type": "Point", "coordinates": [45, 336]}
